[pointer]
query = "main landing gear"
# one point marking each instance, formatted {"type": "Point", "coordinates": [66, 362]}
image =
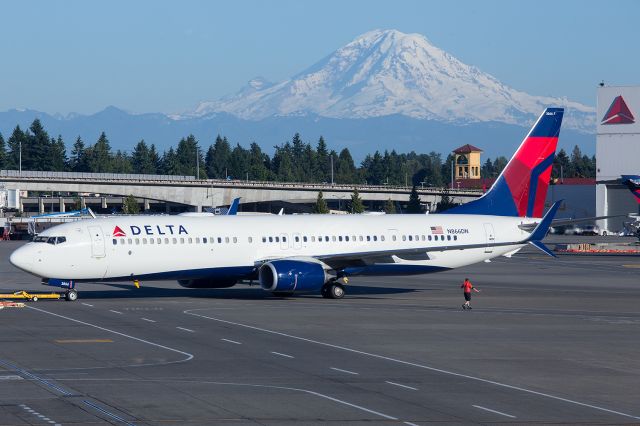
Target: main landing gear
{"type": "Point", "coordinates": [71, 295]}
{"type": "Point", "coordinates": [332, 290]}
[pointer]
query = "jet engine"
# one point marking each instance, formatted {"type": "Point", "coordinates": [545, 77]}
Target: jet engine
{"type": "Point", "coordinates": [289, 276]}
{"type": "Point", "coordinates": [207, 283]}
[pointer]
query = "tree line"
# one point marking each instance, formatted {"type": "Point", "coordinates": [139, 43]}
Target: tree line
{"type": "Point", "coordinates": [292, 161]}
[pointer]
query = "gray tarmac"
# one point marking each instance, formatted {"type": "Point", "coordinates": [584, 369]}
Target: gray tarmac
{"type": "Point", "coordinates": [549, 341]}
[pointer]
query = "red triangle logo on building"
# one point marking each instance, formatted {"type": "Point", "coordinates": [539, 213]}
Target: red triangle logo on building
{"type": "Point", "coordinates": [117, 232]}
{"type": "Point", "coordinates": [618, 113]}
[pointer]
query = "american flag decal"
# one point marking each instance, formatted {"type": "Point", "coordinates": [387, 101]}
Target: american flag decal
{"type": "Point", "coordinates": [437, 230]}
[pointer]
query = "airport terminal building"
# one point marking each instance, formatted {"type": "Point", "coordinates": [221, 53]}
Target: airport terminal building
{"type": "Point", "coordinates": [617, 152]}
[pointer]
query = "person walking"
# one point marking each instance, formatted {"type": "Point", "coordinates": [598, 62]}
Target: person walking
{"type": "Point", "coordinates": [466, 288]}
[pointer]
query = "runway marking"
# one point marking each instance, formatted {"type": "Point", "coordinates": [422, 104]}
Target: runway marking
{"type": "Point", "coordinates": [189, 356]}
{"type": "Point", "coordinates": [344, 371]}
{"type": "Point", "coordinates": [494, 411]}
{"type": "Point", "coordinates": [115, 312]}
{"type": "Point", "coordinates": [281, 354]}
{"type": "Point", "coordinates": [633, 265]}
{"type": "Point", "coordinates": [107, 413]}
{"type": "Point", "coordinates": [32, 376]}
{"type": "Point", "coordinates": [84, 341]}
{"type": "Point", "coordinates": [413, 364]}
{"type": "Point", "coordinates": [410, 424]}
{"type": "Point", "coordinates": [401, 385]}
{"type": "Point", "coordinates": [232, 341]}
{"type": "Point", "coordinates": [40, 416]}
{"type": "Point", "coordinates": [147, 319]}
{"type": "Point", "coordinates": [307, 391]}
{"type": "Point", "coordinates": [185, 329]}
{"type": "Point", "coordinates": [87, 304]}
{"type": "Point", "coordinates": [11, 377]}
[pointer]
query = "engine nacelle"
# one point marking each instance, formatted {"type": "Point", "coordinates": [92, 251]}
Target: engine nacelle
{"type": "Point", "coordinates": [207, 283]}
{"type": "Point", "coordinates": [289, 276]}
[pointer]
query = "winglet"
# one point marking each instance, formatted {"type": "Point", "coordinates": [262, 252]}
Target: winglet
{"type": "Point", "coordinates": [535, 239]}
{"type": "Point", "coordinates": [233, 208]}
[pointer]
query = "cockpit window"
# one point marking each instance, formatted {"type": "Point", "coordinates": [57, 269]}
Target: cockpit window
{"type": "Point", "coordinates": [49, 240]}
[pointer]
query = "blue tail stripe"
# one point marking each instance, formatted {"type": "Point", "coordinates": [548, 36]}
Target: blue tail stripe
{"type": "Point", "coordinates": [535, 173]}
{"type": "Point", "coordinates": [549, 124]}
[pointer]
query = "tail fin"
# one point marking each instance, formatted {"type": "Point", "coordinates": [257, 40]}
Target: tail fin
{"type": "Point", "coordinates": [633, 183]}
{"type": "Point", "coordinates": [233, 208]}
{"type": "Point", "coordinates": [521, 188]}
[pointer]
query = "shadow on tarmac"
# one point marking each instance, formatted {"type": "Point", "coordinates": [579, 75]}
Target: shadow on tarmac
{"type": "Point", "coordinates": [127, 291]}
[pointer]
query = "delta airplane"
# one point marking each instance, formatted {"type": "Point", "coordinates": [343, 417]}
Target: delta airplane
{"type": "Point", "coordinates": [306, 253]}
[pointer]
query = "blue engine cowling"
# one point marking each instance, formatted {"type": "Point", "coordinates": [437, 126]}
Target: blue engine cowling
{"type": "Point", "coordinates": [289, 276]}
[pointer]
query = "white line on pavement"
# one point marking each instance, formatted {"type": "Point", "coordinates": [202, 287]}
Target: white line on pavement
{"type": "Point", "coordinates": [87, 304]}
{"type": "Point", "coordinates": [344, 371]}
{"type": "Point", "coordinates": [147, 320]}
{"type": "Point", "coordinates": [414, 364]}
{"type": "Point", "coordinates": [281, 354]}
{"type": "Point", "coordinates": [232, 341]}
{"type": "Point", "coordinates": [186, 329]}
{"type": "Point", "coordinates": [115, 312]}
{"type": "Point", "coordinates": [494, 411]}
{"type": "Point", "coordinates": [401, 385]}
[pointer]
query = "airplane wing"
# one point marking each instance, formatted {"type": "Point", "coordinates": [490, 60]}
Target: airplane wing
{"type": "Point", "coordinates": [342, 260]}
{"type": "Point", "coordinates": [561, 222]}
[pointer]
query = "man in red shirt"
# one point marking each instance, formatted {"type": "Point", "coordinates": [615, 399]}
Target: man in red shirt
{"type": "Point", "coordinates": [466, 288]}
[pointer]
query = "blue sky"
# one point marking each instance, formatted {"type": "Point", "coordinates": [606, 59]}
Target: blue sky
{"type": "Point", "coordinates": [162, 56]}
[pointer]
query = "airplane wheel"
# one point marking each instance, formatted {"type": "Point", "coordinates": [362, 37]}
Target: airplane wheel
{"type": "Point", "coordinates": [336, 291]}
{"type": "Point", "coordinates": [71, 295]}
{"type": "Point", "coordinates": [34, 299]}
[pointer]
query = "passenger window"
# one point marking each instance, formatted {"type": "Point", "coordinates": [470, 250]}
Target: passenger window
{"type": "Point", "coordinates": [297, 239]}
{"type": "Point", "coordinates": [264, 239]}
{"type": "Point", "coordinates": [429, 237]}
{"type": "Point", "coordinates": [441, 237]}
{"type": "Point", "coordinates": [115, 241]}
{"type": "Point", "coordinates": [361, 239]}
{"type": "Point", "coordinates": [375, 238]}
{"type": "Point", "coordinates": [422, 237]}
{"type": "Point", "coordinates": [198, 240]}
{"type": "Point", "coordinates": [174, 240]}
{"type": "Point", "coordinates": [277, 239]}
{"type": "Point", "coordinates": [333, 238]}
{"type": "Point", "coordinates": [181, 240]}
{"type": "Point", "coordinates": [61, 240]}
{"type": "Point", "coordinates": [122, 241]}
{"type": "Point", "coordinates": [340, 238]}
{"type": "Point", "coordinates": [212, 240]}
{"type": "Point", "coordinates": [130, 241]}
{"type": "Point", "coordinates": [404, 238]}
{"type": "Point", "coordinates": [152, 241]}
{"type": "Point", "coordinates": [455, 238]}
{"type": "Point", "coordinates": [270, 239]}
{"type": "Point", "coordinates": [326, 238]}
{"type": "Point", "coordinates": [235, 239]}
{"type": "Point", "coordinates": [448, 237]}
{"type": "Point", "coordinates": [313, 238]}
{"type": "Point", "coordinates": [204, 240]}
{"type": "Point", "coordinates": [144, 241]}
{"type": "Point", "coordinates": [159, 240]}
{"type": "Point", "coordinates": [219, 240]}
{"type": "Point", "coordinates": [250, 239]}
{"type": "Point", "coordinates": [381, 237]}
{"type": "Point", "coordinates": [368, 237]}
{"type": "Point", "coordinates": [353, 238]}
{"type": "Point", "coordinates": [417, 237]}
{"type": "Point", "coordinates": [304, 238]}
{"type": "Point", "coordinates": [166, 240]}
{"type": "Point", "coordinates": [393, 237]}
{"type": "Point", "coordinates": [226, 240]}
{"type": "Point", "coordinates": [51, 240]}
{"type": "Point", "coordinates": [190, 240]}
{"type": "Point", "coordinates": [284, 239]}
{"type": "Point", "coordinates": [410, 237]}
{"type": "Point", "coordinates": [346, 238]}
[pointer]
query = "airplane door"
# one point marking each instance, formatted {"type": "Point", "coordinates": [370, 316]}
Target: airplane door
{"type": "Point", "coordinates": [284, 244]}
{"type": "Point", "coordinates": [297, 241]}
{"type": "Point", "coordinates": [491, 237]}
{"type": "Point", "coordinates": [97, 241]}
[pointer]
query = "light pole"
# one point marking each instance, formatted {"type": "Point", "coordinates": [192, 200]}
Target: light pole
{"type": "Point", "coordinates": [20, 172]}
{"type": "Point", "coordinates": [197, 163]}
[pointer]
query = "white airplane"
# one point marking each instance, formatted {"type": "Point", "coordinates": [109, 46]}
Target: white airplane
{"type": "Point", "coordinates": [305, 253]}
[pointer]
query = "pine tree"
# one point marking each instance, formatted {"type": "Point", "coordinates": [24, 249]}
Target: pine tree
{"type": "Point", "coordinates": [356, 202]}
{"type": "Point", "coordinates": [217, 159]}
{"type": "Point", "coordinates": [140, 159]}
{"type": "Point", "coordinates": [78, 160]}
{"type": "Point", "coordinates": [57, 155]}
{"type": "Point", "coordinates": [121, 163]}
{"type": "Point", "coordinates": [258, 163]}
{"type": "Point", "coordinates": [321, 205]}
{"type": "Point", "coordinates": [414, 205]}
{"type": "Point", "coordinates": [188, 156]}
{"type": "Point", "coordinates": [3, 153]}
{"type": "Point", "coordinates": [389, 207]}
{"type": "Point", "coordinates": [37, 148]}
{"type": "Point", "coordinates": [130, 205]}
{"type": "Point", "coordinates": [154, 160]}
{"type": "Point", "coordinates": [169, 164]}
{"type": "Point", "coordinates": [99, 157]}
{"type": "Point", "coordinates": [15, 142]}
{"type": "Point", "coordinates": [346, 169]}
{"type": "Point", "coordinates": [323, 166]}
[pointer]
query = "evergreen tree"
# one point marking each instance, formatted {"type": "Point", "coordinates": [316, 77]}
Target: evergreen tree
{"type": "Point", "coordinates": [3, 153]}
{"type": "Point", "coordinates": [17, 139]}
{"type": "Point", "coordinates": [321, 205]}
{"type": "Point", "coordinates": [130, 205]}
{"type": "Point", "coordinates": [154, 160]}
{"type": "Point", "coordinates": [258, 163]}
{"type": "Point", "coordinates": [57, 155]}
{"type": "Point", "coordinates": [188, 156]}
{"type": "Point", "coordinates": [78, 160]}
{"type": "Point", "coordinates": [561, 165]}
{"type": "Point", "coordinates": [323, 166]}
{"type": "Point", "coordinates": [345, 168]}
{"type": "Point", "coordinates": [141, 159]}
{"type": "Point", "coordinates": [238, 163]}
{"type": "Point", "coordinates": [499, 164]}
{"type": "Point", "coordinates": [389, 207]}
{"type": "Point", "coordinates": [169, 163]}
{"type": "Point", "coordinates": [38, 148]}
{"type": "Point", "coordinates": [414, 205]}
{"type": "Point", "coordinates": [217, 159]}
{"type": "Point", "coordinates": [121, 163]}
{"type": "Point", "coordinates": [356, 202]}
{"type": "Point", "coordinates": [99, 157]}
{"type": "Point", "coordinates": [446, 202]}
{"type": "Point", "coordinates": [283, 163]}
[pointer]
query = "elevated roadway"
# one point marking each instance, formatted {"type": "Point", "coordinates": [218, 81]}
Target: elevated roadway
{"type": "Point", "coordinates": [211, 192]}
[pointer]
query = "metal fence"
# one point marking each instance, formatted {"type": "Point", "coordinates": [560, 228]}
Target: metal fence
{"type": "Point", "coordinates": [93, 176]}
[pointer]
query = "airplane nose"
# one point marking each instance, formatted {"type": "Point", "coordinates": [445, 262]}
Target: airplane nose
{"type": "Point", "coordinates": [21, 260]}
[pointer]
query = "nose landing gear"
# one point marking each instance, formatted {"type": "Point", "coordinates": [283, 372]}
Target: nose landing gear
{"type": "Point", "coordinates": [71, 295]}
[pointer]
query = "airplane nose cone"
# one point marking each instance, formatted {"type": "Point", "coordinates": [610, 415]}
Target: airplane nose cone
{"type": "Point", "coordinates": [21, 260]}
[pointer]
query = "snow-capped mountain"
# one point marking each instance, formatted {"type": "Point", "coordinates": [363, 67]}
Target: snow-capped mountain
{"type": "Point", "coordinates": [387, 72]}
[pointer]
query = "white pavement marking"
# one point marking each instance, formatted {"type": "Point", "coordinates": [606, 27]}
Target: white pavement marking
{"type": "Point", "coordinates": [115, 312]}
{"type": "Point", "coordinates": [401, 385]}
{"type": "Point", "coordinates": [281, 354]}
{"type": "Point", "coordinates": [189, 356]}
{"type": "Point", "coordinates": [344, 371]}
{"type": "Point", "coordinates": [147, 319]}
{"type": "Point", "coordinates": [86, 304]}
{"type": "Point", "coordinates": [494, 411]}
{"type": "Point", "coordinates": [232, 341]}
{"type": "Point", "coordinates": [35, 413]}
{"type": "Point", "coordinates": [185, 329]}
{"type": "Point", "coordinates": [11, 377]}
{"type": "Point", "coordinates": [410, 424]}
{"type": "Point", "coordinates": [413, 364]}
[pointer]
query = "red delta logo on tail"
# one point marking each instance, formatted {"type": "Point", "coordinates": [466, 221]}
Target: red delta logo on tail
{"type": "Point", "coordinates": [618, 113]}
{"type": "Point", "coordinates": [521, 188]}
{"type": "Point", "coordinates": [117, 232]}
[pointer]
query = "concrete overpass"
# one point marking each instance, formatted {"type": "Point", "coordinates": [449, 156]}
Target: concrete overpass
{"type": "Point", "coordinates": [210, 192]}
